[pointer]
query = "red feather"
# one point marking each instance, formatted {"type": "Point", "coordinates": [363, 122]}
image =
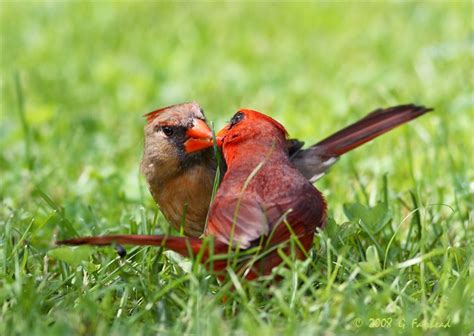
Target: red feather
{"type": "Point", "coordinates": [262, 202]}
{"type": "Point", "coordinates": [257, 115]}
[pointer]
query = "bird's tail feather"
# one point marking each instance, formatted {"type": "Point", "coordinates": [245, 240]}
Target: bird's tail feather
{"type": "Point", "coordinates": [185, 246]}
{"type": "Point", "coordinates": [371, 126]}
{"type": "Point", "coordinates": [314, 161]}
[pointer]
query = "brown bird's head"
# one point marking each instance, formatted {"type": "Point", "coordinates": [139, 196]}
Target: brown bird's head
{"type": "Point", "coordinates": [175, 139]}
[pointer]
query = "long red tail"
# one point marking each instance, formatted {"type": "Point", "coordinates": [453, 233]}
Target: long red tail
{"type": "Point", "coordinates": [315, 160]}
{"type": "Point", "coordinates": [369, 127]}
{"type": "Point", "coordinates": [182, 245]}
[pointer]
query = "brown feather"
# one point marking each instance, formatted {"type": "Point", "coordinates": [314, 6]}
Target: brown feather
{"type": "Point", "coordinates": [150, 116]}
{"type": "Point", "coordinates": [262, 202]}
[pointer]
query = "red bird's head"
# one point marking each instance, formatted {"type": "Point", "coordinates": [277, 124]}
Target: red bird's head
{"type": "Point", "coordinates": [248, 132]}
{"type": "Point", "coordinates": [249, 124]}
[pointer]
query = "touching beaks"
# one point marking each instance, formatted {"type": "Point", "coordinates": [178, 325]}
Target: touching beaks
{"type": "Point", "coordinates": [199, 130]}
{"type": "Point", "coordinates": [200, 137]}
{"type": "Point", "coordinates": [221, 134]}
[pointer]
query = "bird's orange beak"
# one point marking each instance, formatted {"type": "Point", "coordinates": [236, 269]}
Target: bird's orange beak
{"type": "Point", "coordinates": [221, 134]}
{"type": "Point", "coordinates": [200, 137]}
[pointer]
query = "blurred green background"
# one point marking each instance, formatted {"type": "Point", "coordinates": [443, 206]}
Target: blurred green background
{"type": "Point", "coordinates": [87, 73]}
{"type": "Point", "coordinates": [76, 79]}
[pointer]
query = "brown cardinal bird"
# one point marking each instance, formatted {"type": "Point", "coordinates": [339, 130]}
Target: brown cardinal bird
{"type": "Point", "coordinates": [180, 168]}
{"type": "Point", "coordinates": [263, 200]}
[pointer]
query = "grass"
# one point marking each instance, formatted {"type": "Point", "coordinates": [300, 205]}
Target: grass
{"type": "Point", "coordinates": [396, 254]}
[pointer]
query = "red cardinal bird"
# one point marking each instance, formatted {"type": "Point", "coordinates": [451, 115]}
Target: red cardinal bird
{"type": "Point", "coordinates": [180, 170]}
{"type": "Point", "coordinates": [262, 201]}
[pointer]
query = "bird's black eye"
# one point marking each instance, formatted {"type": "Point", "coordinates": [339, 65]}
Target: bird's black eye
{"type": "Point", "coordinates": [236, 118]}
{"type": "Point", "coordinates": [168, 131]}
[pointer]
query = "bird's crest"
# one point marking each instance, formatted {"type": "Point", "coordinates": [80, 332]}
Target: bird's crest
{"type": "Point", "coordinates": [150, 116]}
{"type": "Point", "coordinates": [257, 115]}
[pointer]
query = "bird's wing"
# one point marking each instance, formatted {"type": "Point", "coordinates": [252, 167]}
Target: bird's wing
{"type": "Point", "coordinates": [243, 221]}
{"type": "Point", "coordinates": [315, 160]}
{"type": "Point", "coordinates": [237, 220]}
